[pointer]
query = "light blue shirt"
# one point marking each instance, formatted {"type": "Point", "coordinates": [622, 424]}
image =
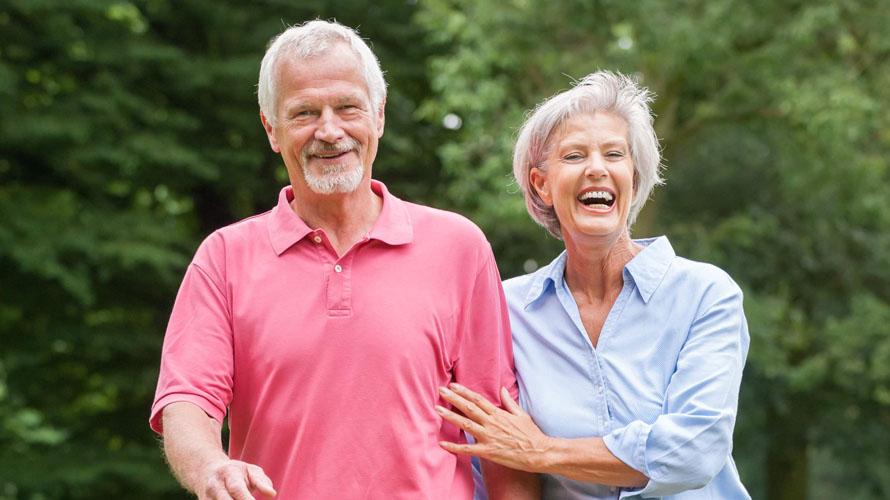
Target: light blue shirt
{"type": "Point", "coordinates": [661, 386]}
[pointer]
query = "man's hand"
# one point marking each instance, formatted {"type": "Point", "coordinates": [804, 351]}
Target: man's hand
{"type": "Point", "coordinates": [233, 479]}
{"type": "Point", "coordinates": [194, 450]}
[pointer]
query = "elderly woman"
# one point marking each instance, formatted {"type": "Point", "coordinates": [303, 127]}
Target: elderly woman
{"type": "Point", "coordinates": [628, 357]}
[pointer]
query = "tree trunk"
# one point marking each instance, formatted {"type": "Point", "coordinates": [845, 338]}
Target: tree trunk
{"type": "Point", "coordinates": [787, 474]}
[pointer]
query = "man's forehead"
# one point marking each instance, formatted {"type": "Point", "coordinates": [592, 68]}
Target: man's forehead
{"type": "Point", "coordinates": [310, 80]}
{"type": "Point", "coordinates": [308, 97]}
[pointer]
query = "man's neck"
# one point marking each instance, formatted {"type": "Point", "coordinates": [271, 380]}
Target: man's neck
{"type": "Point", "coordinates": [346, 218]}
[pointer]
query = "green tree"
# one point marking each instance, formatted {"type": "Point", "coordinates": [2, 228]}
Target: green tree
{"type": "Point", "coordinates": [771, 119]}
{"type": "Point", "coordinates": [128, 132]}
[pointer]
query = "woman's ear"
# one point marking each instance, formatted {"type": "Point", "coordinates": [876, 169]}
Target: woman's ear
{"type": "Point", "coordinates": [538, 179]}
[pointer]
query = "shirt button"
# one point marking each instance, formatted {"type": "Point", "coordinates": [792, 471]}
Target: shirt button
{"type": "Point", "coordinates": [337, 268]}
{"type": "Point", "coordinates": [316, 238]}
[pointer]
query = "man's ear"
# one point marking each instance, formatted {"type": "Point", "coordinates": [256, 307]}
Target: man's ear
{"type": "Point", "coordinates": [381, 117]}
{"type": "Point", "coordinates": [541, 185]}
{"type": "Point", "coordinates": [270, 133]}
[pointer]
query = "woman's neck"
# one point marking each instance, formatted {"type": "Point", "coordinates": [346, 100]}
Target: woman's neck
{"type": "Point", "coordinates": [594, 267]}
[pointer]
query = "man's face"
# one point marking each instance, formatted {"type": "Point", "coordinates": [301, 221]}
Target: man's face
{"type": "Point", "coordinates": [325, 127]}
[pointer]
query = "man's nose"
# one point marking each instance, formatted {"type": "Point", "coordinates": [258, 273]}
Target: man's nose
{"type": "Point", "coordinates": [329, 128]}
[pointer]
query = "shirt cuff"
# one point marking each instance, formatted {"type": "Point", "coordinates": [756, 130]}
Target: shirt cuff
{"type": "Point", "coordinates": [628, 444]}
{"type": "Point", "coordinates": [156, 422]}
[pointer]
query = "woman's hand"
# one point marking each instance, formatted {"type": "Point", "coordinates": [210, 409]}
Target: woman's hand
{"type": "Point", "coordinates": [507, 437]}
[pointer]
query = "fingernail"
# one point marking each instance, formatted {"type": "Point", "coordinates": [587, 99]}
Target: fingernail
{"type": "Point", "coordinates": [444, 390]}
{"type": "Point", "coordinates": [455, 385]}
{"type": "Point", "coordinates": [440, 409]}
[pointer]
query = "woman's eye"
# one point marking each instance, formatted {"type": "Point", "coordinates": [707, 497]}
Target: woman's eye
{"type": "Point", "coordinates": [572, 156]}
{"type": "Point", "coordinates": [615, 154]}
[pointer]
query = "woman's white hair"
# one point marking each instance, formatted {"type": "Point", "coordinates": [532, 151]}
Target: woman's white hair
{"type": "Point", "coordinates": [309, 40]}
{"type": "Point", "coordinates": [600, 91]}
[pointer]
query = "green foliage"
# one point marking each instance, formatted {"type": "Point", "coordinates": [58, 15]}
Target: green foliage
{"type": "Point", "coordinates": [129, 131]}
{"type": "Point", "coordinates": [772, 120]}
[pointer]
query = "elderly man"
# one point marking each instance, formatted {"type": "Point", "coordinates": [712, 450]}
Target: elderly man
{"type": "Point", "coordinates": [324, 326]}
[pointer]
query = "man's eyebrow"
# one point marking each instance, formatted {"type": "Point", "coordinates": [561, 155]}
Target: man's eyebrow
{"type": "Point", "coordinates": [297, 104]}
{"type": "Point", "coordinates": [348, 99]}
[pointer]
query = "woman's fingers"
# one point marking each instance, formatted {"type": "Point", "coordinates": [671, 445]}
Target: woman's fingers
{"type": "Point", "coordinates": [467, 407]}
{"type": "Point", "coordinates": [460, 449]}
{"type": "Point", "coordinates": [464, 423]}
{"type": "Point", "coordinates": [475, 398]}
{"type": "Point", "coordinates": [508, 403]}
{"type": "Point", "coordinates": [505, 437]}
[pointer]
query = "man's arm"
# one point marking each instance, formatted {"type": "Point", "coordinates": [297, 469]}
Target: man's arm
{"type": "Point", "coordinates": [511, 438]}
{"type": "Point", "coordinates": [486, 362]}
{"type": "Point", "coordinates": [503, 483]}
{"type": "Point", "coordinates": [193, 447]}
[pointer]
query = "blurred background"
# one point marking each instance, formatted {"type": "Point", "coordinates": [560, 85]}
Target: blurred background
{"type": "Point", "coordinates": [129, 131]}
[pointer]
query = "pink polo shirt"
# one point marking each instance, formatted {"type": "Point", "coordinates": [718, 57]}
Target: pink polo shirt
{"type": "Point", "coordinates": [329, 367]}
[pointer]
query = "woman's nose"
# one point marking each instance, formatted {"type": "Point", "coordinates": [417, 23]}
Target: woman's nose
{"type": "Point", "coordinates": [596, 167]}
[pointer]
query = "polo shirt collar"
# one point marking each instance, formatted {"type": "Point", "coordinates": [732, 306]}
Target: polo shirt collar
{"type": "Point", "coordinates": [393, 226]}
{"type": "Point", "coordinates": [647, 270]}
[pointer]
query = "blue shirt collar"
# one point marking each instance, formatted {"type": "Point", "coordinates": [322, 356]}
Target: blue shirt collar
{"type": "Point", "coordinates": [546, 277]}
{"type": "Point", "coordinates": [647, 270]}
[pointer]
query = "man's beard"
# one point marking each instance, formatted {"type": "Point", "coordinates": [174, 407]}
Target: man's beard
{"type": "Point", "coordinates": [339, 178]}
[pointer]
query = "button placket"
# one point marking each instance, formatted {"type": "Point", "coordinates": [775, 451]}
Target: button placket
{"type": "Point", "coordinates": [339, 292]}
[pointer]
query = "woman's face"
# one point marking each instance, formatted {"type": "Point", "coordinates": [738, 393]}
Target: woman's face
{"type": "Point", "coordinates": [589, 177]}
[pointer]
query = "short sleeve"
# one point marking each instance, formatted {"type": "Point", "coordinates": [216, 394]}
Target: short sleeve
{"type": "Point", "coordinates": [197, 356]}
{"type": "Point", "coordinates": [689, 443]}
{"type": "Point", "coordinates": [485, 359]}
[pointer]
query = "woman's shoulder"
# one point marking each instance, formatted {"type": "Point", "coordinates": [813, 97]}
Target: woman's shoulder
{"type": "Point", "coordinates": [526, 287]}
{"type": "Point", "coordinates": [519, 286]}
{"type": "Point", "coordinates": [658, 267]}
{"type": "Point", "coordinates": [704, 278]}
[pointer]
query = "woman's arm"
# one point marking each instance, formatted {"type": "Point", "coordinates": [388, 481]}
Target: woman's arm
{"type": "Point", "coordinates": [510, 438]}
{"type": "Point", "coordinates": [683, 449]}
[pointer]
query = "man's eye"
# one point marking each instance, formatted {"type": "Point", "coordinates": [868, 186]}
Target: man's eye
{"type": "Point", "coordinates": [300, 114]}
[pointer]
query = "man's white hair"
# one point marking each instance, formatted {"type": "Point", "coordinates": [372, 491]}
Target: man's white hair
{"type": "Point", "coordinates": [309, 40]}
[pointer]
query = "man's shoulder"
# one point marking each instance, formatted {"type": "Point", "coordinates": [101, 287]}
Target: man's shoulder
{"type": "Point", "coordinates": [426, 219]}
{"type": "Point", "coordinates": [247, 231]}
{"type": "Point", "coordinates": [246, 226]}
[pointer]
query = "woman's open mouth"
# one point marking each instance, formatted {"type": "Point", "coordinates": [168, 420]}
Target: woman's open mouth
{"type": "Point", "coordinates": [602, 200]}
